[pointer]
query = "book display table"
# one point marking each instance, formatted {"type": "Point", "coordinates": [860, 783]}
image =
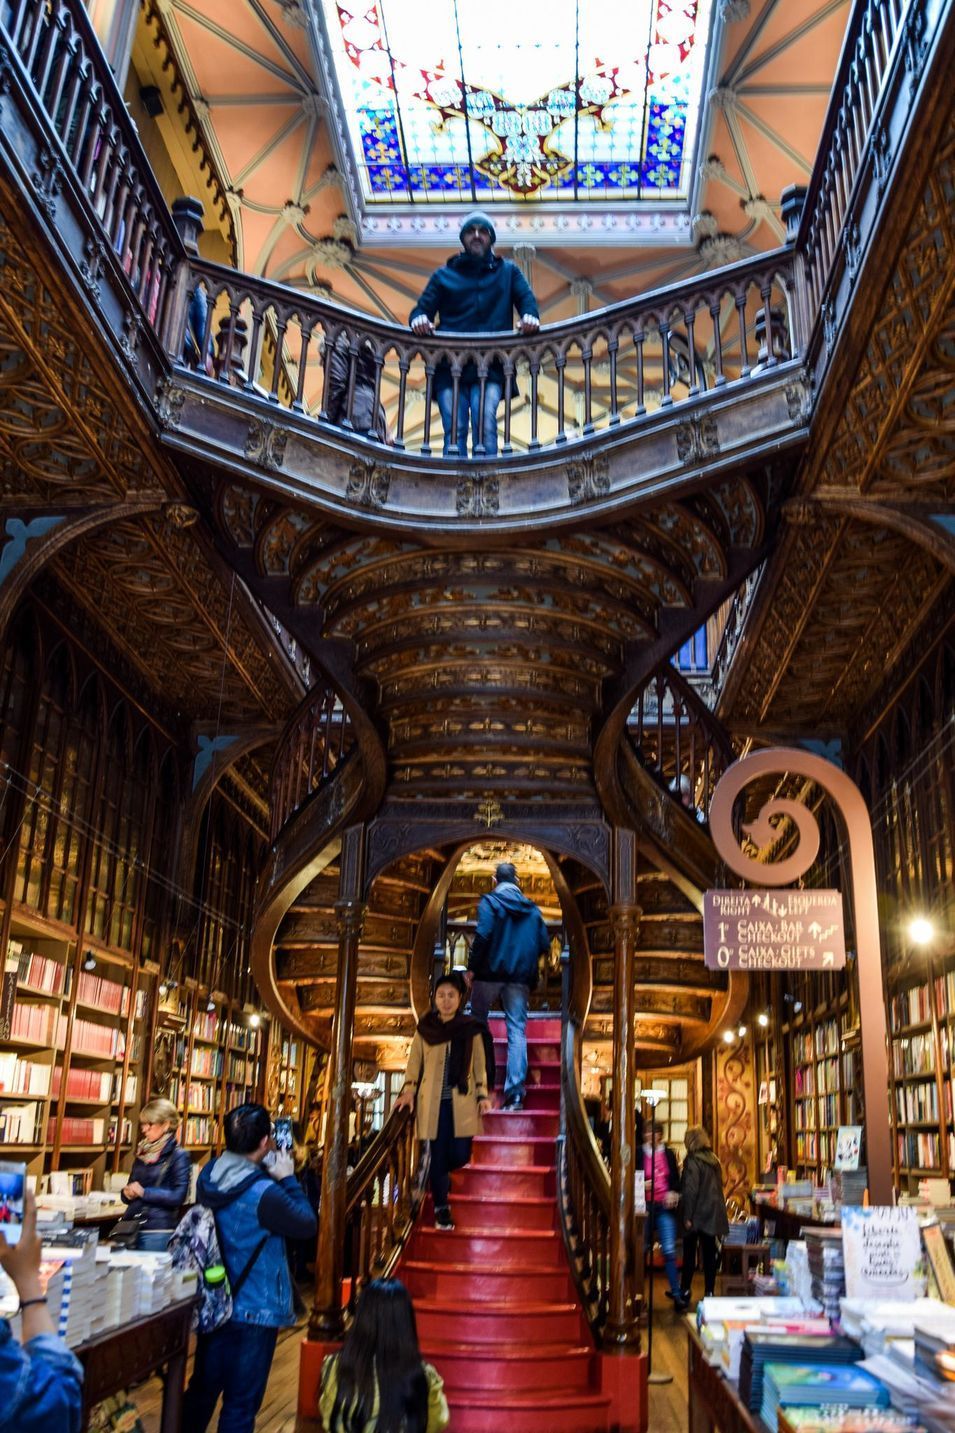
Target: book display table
{"type": "Point", "coordinates": [135, 1351]}
{"type": "Point", "coordinates": [713, 1402]}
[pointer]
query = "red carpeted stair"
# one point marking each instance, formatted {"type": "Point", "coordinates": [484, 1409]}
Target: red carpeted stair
{"type": "Point", "coordinates": [497, 1309]}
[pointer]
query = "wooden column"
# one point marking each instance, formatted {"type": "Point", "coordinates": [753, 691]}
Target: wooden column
{"type": "Point", "coordinates": [327, 1320]}
{"type": "Point", "coordinates": [621, 1331]}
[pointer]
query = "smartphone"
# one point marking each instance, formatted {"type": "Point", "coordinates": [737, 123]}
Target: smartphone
{"type": "Point", "coordinates": [282, 1132]}
{"type": "Point", "coordinates": [13, 1183]}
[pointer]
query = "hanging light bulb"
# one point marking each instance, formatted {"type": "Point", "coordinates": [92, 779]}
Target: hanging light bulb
{"type": "Point", "coordinates": [729, 1036]}
{"type": "Point", "coordinates": [741, 1032]}
{"type": "Point", "coordinates": [255, 1021]}
{"type": "Point", "coordinates": [89, 961]}
{"type": "Point", "coordinates": [762, 1019]}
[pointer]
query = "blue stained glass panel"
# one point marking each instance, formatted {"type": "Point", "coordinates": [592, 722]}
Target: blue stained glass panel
{"type": "Point", "coordinates": [487, 99]}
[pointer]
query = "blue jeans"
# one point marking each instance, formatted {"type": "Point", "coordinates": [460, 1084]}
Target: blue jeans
{"type": "Point", "coordinates": [233, 1360]}
{"type": "Point", "coordinates": [469, 411]}
{"type": "Point", "coordinates": [514, 1001]}
{"type": "Point", "coordinates": [662, 1225]}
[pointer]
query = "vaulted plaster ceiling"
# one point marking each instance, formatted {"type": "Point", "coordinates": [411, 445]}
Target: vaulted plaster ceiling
{"type": "Point", "coordinates": [247, 73]}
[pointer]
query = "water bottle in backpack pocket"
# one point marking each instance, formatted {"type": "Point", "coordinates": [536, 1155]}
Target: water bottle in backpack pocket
{"type": "Point", "coordinates": [195, 1245]}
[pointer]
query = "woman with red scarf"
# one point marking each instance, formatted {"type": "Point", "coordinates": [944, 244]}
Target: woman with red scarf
{"type": "Point", "coordinates": [447, 1077]}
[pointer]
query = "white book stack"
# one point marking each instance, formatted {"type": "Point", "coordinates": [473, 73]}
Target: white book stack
{"type": "Point", "coordinates": [77, 1274]}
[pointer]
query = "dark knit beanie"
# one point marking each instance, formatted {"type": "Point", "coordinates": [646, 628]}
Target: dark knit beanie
{"type": "Point", "coordinates": [478, 220]}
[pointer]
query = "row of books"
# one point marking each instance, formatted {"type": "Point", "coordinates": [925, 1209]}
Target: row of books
{"type": "Point", "coordinates": [18, 1123]}
{"type": "Point", "coordinates": [919, 1149]}
{"type": "Point", "coordinates": [205, 1026]}
{"type": "Point", "coordinates": [945, 995]}
{"type": "Point", "coordinates": [910, 1007]}
{"type": "Point", "coordinates": [913, 1055]}
{"type": "Point", "coordinates": [200, 1130]}
{"type": "Point", "coordinates": [92, 1130]}
{"type": "Point", "coordinates": [202, 1097]}
{"type": "Point", "coordinates": [102, 1085]}
{"type": "Point", "coordinates": [39, 972]}
{"type": "Point", "coordinates": [917, 1103]}
{"type": "Point", "coordinates": [108, 995]}
{"type": "Point", "coordinates": [35, 1024]}
{"type": "Point", "coordinates": [23, 1077]}
{"type": "Point", "coordinates": [206, 1063]}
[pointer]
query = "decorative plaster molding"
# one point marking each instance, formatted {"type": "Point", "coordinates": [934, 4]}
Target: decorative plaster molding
{"type": "Point", "coordinates": [368, 484]}
{"type": "Point", "coordinates": [265, 443]}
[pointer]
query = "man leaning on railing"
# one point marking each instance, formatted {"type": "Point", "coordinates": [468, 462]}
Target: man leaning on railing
{"type": "Point", "coordinates": [475, 292]}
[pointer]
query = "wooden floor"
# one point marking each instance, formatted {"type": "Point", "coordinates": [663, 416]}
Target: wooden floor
{"type": "Point", "coordinates": [667, 1401]}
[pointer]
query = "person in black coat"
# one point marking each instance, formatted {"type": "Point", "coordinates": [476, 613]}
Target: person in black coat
{"type": "Point", "coordinates": [702, 1209]}
{"type": "Point", "coordinates": [475, 292]}
{"type": "Point", "coordinates": [365, 416]}
{"type": "Point", "coordinates": [159, 1181]}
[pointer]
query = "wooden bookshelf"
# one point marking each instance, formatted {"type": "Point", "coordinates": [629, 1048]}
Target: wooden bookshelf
{"type": "Point", "coordinates": [290, 1063]}
{"type": "Point", "coordinates": [212, 1061]}
{"type": "Point", "coordinates": [922, 1025]}
{"type": "Point", "coordinates": [820, 1085]}
{"type": "Point", "coordinates": [72, 1047]}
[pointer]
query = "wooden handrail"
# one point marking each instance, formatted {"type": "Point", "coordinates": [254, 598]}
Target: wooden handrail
{"type": "Point", "coordinates": [583, 1182]}
{"type": "Point", "coordinates": [678, 740]}
{"type": "Point", "coordinates": [70, 81]}
{"type": "Point", "coordinates": [582, 376]}
{"type": "Point", "coordinates": [868, 54]}
{"type": "Point", "coordinates": [317, 738]}
{"type": "Point", "coordinates": [385, 1193]}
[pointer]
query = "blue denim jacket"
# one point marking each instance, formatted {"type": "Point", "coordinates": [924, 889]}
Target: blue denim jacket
{"type": "Point", "coordinates": [249, 1207]}
{"type": "Point", "coordinates": [40, 1385]}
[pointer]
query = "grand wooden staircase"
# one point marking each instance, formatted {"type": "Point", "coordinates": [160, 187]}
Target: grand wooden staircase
{"type": "Point", "coordinates": [498, 1311]}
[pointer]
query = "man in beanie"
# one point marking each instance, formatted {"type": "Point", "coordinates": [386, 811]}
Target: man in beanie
{"type": "Point", "coordinates": [510, 939]}
{"type": "Point", "coordinates": [475, 292]}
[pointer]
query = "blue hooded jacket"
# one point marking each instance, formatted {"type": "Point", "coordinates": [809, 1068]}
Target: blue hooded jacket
{"type": "Point", "coordinates": [510, 939]}
{"type": "Point", "coordinates": [473, 295]}
{"type": "Point", "coordinates": [249, 1205]}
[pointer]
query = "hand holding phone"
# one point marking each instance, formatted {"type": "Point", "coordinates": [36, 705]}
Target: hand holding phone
{"type": "Point", "coordinates": [282, 1134]}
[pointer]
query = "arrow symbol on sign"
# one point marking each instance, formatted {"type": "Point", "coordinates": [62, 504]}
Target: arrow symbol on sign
{"type": "Point", "coordinates": [828, 957]}
{"type": "Point", "coordinates": [815, 930]}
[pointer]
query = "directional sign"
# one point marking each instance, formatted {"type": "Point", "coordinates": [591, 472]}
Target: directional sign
{"type": "Point", "coordinates": [773, 930]}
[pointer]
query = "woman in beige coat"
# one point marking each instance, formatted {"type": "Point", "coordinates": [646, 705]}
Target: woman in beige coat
{"type": "Point", "coordinates": [447, 1076]}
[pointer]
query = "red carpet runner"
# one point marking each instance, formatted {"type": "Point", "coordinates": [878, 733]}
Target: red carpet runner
{"type": "Point", "coordinates": [497, 1309]}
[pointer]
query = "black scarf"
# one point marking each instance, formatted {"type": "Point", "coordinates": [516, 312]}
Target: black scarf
{"type": "Point", "coordinates": [461, 1032]}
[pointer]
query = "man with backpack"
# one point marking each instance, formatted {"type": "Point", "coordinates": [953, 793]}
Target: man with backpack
{"type": "Point", "coordinates": [510, 939]}
{"type": "Point", "coordinates": [256, 1203]}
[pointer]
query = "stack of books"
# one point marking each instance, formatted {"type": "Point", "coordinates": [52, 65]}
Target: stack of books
{"type": "Point", "coordinates": [837, 1419]}
{"type": "Point", "coordinates": [811, 1385]}
{"type": "Point", "coordinates": [827, 1267]}
{"type": "Point", "coordinates": [848, 1186]}
{"type": "Point", "coordinates": [879, 1323]}
{"type": "Point", "coordinates": [935, 1349]}
{"type": "Point", "coordinates": [815, 1347]}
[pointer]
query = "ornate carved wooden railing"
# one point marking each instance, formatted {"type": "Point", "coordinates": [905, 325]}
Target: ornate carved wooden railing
{"type": "Point", "coordinates": [583, 1185]}
{"type": "Point", "coordinates": [385, 1192]}
{"type": "Point", "coordinates": [583, 376]}
{"type": "Point", "coordinates": [879, 72]}
{"type": "Point", "coordinates": [678, 740]}
{"type": "Point", "coordinates": [316, 740]}
{"type": "Point", "coordinates": [95, 139]}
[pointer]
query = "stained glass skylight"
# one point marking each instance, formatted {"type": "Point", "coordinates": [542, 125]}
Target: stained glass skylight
{"type": "Point", "coordinates": [477, 101]}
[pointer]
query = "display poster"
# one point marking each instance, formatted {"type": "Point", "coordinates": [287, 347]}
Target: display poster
{"type": "Point", "coordinates": [882, 1248]}
{"type": "Point", "coordinates": [848, 1147]}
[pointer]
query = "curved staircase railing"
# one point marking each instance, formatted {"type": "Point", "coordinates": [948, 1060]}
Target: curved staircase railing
{"type": "Point", "coordinates": [385, 1193]}
{"type": "Point", "coordinates": [580, 377]}
{"type": "Point", "coordinates": [316, 740]}
{"type": "Point", "coordinates": [84, 110]}
{"type": "Point", "coordinates": [583, 1191]}
{"type": "Point", "coordinates": [679, 741]}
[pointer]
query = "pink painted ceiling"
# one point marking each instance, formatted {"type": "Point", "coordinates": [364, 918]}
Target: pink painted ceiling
{"type": "Point", "coordinates": [248, 67]}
